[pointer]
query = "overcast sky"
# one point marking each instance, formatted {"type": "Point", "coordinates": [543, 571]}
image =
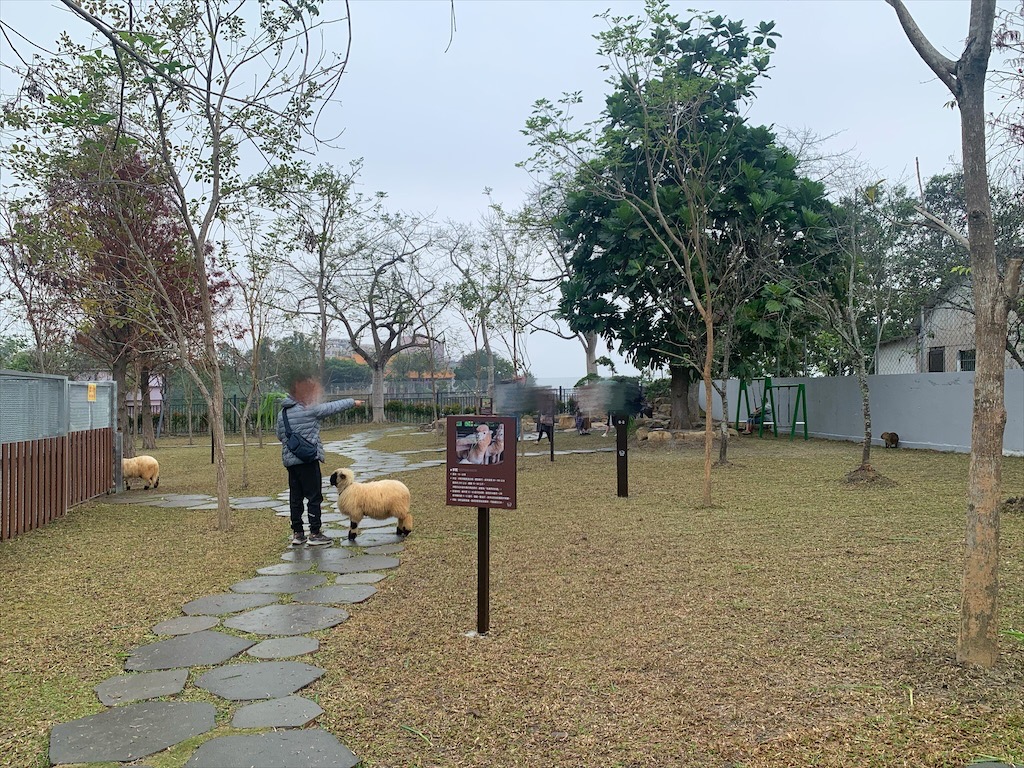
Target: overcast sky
{"type": "Point", "coordinates": [435, 128]}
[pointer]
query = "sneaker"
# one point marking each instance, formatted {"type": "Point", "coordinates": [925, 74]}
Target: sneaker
{"type": "Point", "coordinates": [318, 540]}
{"type": "Point", "coordinates": [298, 539]}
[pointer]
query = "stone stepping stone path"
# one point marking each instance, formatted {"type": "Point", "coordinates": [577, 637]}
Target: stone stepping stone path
{"type": "Point", "coordinates": [360, 563]}
{"type": "Point", "coordinates": [217, 605]}
{"type": "Point", "coordinates": [308, 748]}
{"type": "Point", "coordinates": [200, 649]}
{"type": "Point", "coordinates": [289, 619]}
{"type": "Point", "coordinates": [289, 712]}
{"type": "Point", "coordinates": [145, 685]}
{"type": "Point", "coordinates": [195, 501]}
{"type": "Point", "coordinates": [283, 569]}
{"type": "Point", "coordinates": [283, 647]}
{"type": "Point", "coordinates": [259, 680]}
{"type": "Point", "coordinates": [295, 582]}
{"type": "Point", "coordinates": [339, 594]}
{"type": "Point", "coordinates": [186, 625]}
{"type": "Point", "coordinates": [283, 603]}
{"type": "Point", "coordinates": [128, 733]}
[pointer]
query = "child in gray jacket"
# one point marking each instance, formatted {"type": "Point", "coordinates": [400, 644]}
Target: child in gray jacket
{"type": "Point", "coordinates": [305, 413]}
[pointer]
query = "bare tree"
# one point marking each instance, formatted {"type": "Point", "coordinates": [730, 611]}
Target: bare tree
{"type": "Point", "coordinates": [215, 83]}
{"type": "Point", "coordinates": [993, 293]}
{"type": "Point", "coordinates": [386, 294]}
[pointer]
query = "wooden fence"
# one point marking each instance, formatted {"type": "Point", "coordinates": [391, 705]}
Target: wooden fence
{"type": "Point", "coordinates": [41, 479]}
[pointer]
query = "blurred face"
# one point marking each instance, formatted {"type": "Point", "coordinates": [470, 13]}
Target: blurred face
{"type": "Point", "coordinates": [307, 391]}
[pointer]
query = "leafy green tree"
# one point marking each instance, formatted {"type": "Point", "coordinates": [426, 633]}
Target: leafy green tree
{"type": "Point", "coordinates": [346, 371]}
{"type": "Point", "coordinates": [674, 195]}
{"type": "Point", "coordinates": [473, 368]}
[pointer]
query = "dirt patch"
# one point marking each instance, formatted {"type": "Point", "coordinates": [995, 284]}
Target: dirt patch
{"type": "Point", "coordinates": [868, 475]}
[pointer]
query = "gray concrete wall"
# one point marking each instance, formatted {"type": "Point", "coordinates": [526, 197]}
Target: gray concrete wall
{"type": "Point", "coordinates": [928, 410]}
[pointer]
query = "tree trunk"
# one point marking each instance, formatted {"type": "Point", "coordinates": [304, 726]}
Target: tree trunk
{"type": "Point", "coordinates": [119, 371]}
{"type": "Point", "coordinates": [377, 394]}
{"type": "Point", "coordinates": [220, 457]}
{"type": "Point", "coordinates": [978, 642]}
{"type": "Point", "coordinates": [680, 398]}
{"type": "Point", "coordinates": [709, 430]}
{"type": "Point", "coordinates": [490, 360]}
{"type": "Point", "coordinates": [723, 438]}
{"type": "Point", "coordinates": [591, 348]}
{"type": "Point", "coordinates": [148, 433]}
{"type": "Point", "coordinates": [865, 404]}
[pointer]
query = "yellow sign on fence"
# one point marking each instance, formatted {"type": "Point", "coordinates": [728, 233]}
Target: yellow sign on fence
{"type": "Point", "coordinates": [91, 394]}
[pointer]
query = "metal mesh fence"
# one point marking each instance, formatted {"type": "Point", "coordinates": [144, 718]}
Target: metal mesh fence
{"type": "Point", "coordinates": [92, 405]}
{"type": "Point", "coordinates": [35, 406]}
{"type": "Point", "coordinates": [32, 406]}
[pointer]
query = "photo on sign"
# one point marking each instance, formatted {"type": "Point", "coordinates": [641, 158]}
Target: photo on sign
{"type": "Point", "coordinates": [480, 443]}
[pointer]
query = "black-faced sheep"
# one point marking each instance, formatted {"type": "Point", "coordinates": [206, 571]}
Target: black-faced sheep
{"type": "Point", "coordinates": [379, 499]}
{"type": "Point", "coordinates": [145, 467]}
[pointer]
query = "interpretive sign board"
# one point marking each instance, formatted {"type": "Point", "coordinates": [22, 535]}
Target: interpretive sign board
{"type": "Point", "coordinates": [481, 466]}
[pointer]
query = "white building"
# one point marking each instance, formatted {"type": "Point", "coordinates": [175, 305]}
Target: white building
{"type": "Point", "coordinates": [944, 341]}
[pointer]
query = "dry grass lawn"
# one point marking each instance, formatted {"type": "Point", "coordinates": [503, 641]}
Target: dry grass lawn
{"type": "Point", "coordinates": [798, 622]}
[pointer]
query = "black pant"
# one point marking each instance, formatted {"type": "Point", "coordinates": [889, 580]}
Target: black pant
{"type": "Point", "coordinates": [304, 482]}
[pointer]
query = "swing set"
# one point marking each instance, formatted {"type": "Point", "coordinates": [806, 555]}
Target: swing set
{"type": "Point", "coordinates": [794, 396]}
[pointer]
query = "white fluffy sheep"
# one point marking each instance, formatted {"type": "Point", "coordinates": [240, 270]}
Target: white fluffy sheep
{"type": "Point", "coordinates": [379, 499]}
{"type": "Point", "coordinates": [145, 467]}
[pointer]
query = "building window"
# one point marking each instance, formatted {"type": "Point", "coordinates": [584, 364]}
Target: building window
{"type": "Point", "coordinates": [936, 359]}
{"type": "Point", "coordinates": [965, 360]}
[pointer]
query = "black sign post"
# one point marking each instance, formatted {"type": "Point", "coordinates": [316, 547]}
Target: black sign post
{"type": "Point", "coordinates": [621, 454]}
{"type": "Point", "coordinates": [551, 436]}
{"type": "Point", "coordinates": [483, 570]}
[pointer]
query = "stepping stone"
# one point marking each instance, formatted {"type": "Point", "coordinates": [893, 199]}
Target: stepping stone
{"type": "Point", "coordinates": [253, 504]}
{"type": "Point", "coordinates": [309, 748]}
{"type": "Point", "coordinates": [204, 506]}
{"type": "Point", "coordinates": [283, 647]}
{"type": "Point", "coordinates": [361, 563]}
{"type": "Point", "coordinates": [176, 503]}
{"type": "Point", "coordinates": [217, 605]}
{"type": "Point", "coordinates": [290, 619]}
{"type": "Point", "coordinates": [332, 517]}
{"type": "Point", "coordinates": [145, 685]}
{"type": "Point", "coordinates": [315, 554]}
{"type": "Point", "coordinates": [375, 539]}
{"type": "Point", "coordinates": [294, 582]}
{"type": "Point", "coordinates": [260, 680]}
{"type": "Point", "coordinates": [188, 497]}
{"type": "Point", "coordinates": [359, 578]}
{"type": "Point", "coordinates": [128, 733]}
{"type": "Point", "coordinates": [289, 712]}
{"type": "Point", "coordinates": [250, 499]}
{"type": "Point", "coordinates": [283, 569]}
{"type": "Point", "coordinates": [334, 533]}
{"type": "Point", "coordinates": [200, 649]}
{"type": "Point", "coordinates": [283, 511]}
{"type": "Point", "coordinates": [385, 549]}
{"type": "Point", "coordinates": [186, 625]}
{"type": "Point", "coordinates": [344, 594]}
